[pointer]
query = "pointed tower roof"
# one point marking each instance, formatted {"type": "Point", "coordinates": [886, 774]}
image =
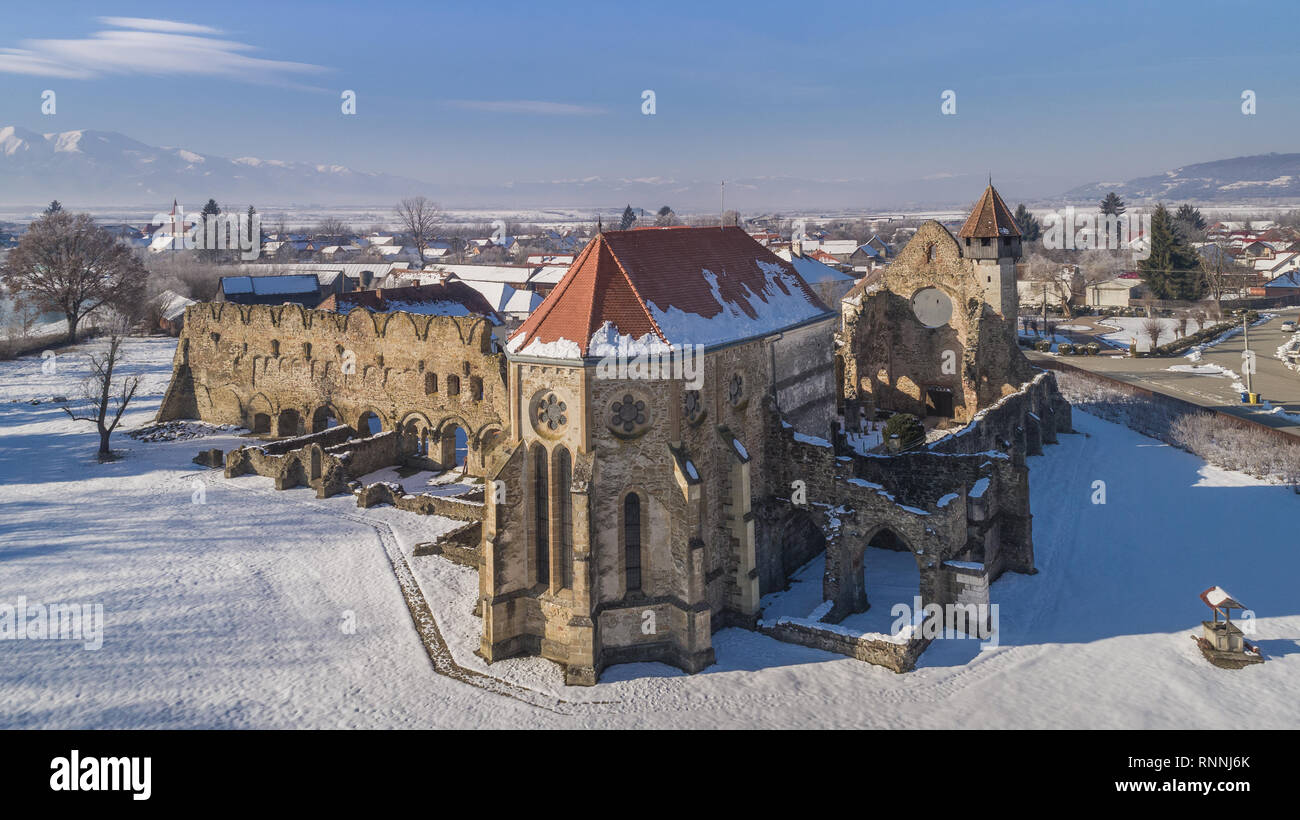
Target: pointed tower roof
{"type": "Point", "coordinates": [990, 219]}
{"type": "Point", "coordinates": [657, 288]}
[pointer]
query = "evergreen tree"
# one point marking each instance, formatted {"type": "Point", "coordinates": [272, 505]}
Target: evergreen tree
{"type": "Point", "coordinates": [1172, 270]}
{"type": "Point", "coordinates": [629, 217]}
{"type": "Point", "coordinates": [54, 207]}
{"type": "Point", "coordinates": [1030, 230]}
{"type": "Point", "coordinates": [1190, 219]}
{"type": "Point", "coordinates": [208, 240]}
{"type": "Point", "coordinates": [1112, 204]}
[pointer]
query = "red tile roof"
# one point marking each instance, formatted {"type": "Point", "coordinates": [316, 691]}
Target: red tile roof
{"type": "Point", "coordinates": [639, 279]}
{"type": "Point", "coordinates": [990, 218]}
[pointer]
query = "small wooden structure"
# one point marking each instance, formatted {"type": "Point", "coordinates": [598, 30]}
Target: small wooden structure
{"type": "Point", "coordinates": [1222, 642]}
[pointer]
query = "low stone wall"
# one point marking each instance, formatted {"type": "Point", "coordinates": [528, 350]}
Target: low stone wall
{"type": "Point", "coordinates": [326, 470]}
{"type": "Point", "coordinates": [899, 656]}
{"type": "Point", "coordinates": [365, 455]}
{"type": "Point", "coordinates": [422, 503]}
{"type": "Point", "coordinates": [460, 546]}
{"type": "Point", "coordinates": [325, 438]}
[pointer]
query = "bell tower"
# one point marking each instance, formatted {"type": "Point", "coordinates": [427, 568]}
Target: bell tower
{"type": "Point", "coordinates": [991, 240]}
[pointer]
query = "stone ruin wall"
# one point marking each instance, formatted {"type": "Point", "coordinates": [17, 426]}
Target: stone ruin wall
{"type": "Point", "coordinates": [888, 358]}
{"type": "Point", "coordinates": [286, 367]}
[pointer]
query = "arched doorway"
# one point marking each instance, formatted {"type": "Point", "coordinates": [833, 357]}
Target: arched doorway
{"type": "Point", "coordinates": [891, 576]}
{"type": "Point", "coordinates": [461, 446]}
{"type": "Point", "coordinates": [261, 423]}
{"type": "Point", "coordinates": [454, 444]}
{"type": "Point", "coordinates": [415, 436]}
{"type": "Point", "coordinates": [323, 419]}
{"type": "Point", "coordinates": [369, 424]}
{"type": "Point", "coordinates": [287, 423]}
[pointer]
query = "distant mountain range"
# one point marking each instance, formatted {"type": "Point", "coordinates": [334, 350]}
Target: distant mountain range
{"type": "Point", "coordinates": [97, 168]}
{"type": "Point", "coordinates": [88, 168]}
{"type": "Point", "coordinates": [1265, 178]}
{"type": "Point", "coordinates": [108, 167]}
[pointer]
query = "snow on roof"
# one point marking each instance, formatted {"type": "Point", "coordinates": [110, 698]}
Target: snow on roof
{"type": "Point", "coordinates": [505, 299]}
{"type": "Point", "coordinates": [517, 275]}
{"type": "Point", "coordinates": [561, 259]}
{"type": "Point", "coordinates": [450, 299]}
{"type": "Point", "coordinates": [549, 275]}
{"type": "Point", "coordinates": [1290, 279]}
{"type": "Point", "coordinates": [172, 304]}
{"type": "Point", "coordinates": [1218, 598]}
{"type": "Point", "coordinates": [522, 303]}
{"type": "Point", "coordinates": [667, 287]}
{"type": "Point", "coordinates": [814, 271]}
{"type": "Point", "coordinates": [845, 246]}
{"type": "Point", "coordinates": [269, 285]}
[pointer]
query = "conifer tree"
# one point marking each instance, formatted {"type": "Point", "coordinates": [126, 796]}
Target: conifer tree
{"type": "Point", "coordinates": [1030, 230]}
{"type": "Point", "coordinates": [1172, 270]}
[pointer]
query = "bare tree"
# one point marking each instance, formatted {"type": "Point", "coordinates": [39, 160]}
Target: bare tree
{"type": "Point", "coordinates": [69, 264]}
{"type": "Point", "coordinates": [1050, 285]}
{"type": "Point", "coordinates": [100, 392]}
{"type": "Point", "coordinates": [1180, 323]}
{"type": "Point", "coordinates": [419, 217]}
{"type": "Point", "coordinates": [333, 229]}
{"type": "Point", "coordinates": [1151, 328]}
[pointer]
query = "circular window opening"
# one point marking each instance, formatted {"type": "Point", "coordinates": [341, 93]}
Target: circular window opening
{"type": "Point", "coordinates": [932, 307]}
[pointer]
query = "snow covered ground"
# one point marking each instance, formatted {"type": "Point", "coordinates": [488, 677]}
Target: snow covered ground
{"type": "Point", "coordinates": [237, 612]}
{"type": "Point", "coordinates": [1130, 328]}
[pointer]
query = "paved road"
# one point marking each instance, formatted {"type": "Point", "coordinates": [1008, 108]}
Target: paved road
{"type": "Point", "coordinates": [1273, 380]}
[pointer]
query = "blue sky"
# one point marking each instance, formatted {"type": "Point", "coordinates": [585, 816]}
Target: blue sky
{"type": "Point", "coordinates": [1048, 95]}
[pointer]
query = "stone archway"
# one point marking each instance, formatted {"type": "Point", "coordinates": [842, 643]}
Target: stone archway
{"type": "Point", "coordinates": [369, 423]}
{"type": "Point", "coordinates": [324, 418]}
{"type": "Point", "coordinates": [845, 581]}
{"type": "Point", "coordinates": [453, 441]}
{"type": "Point", "coordinates": [261, 423]}
{"type": "Point", "coordinates": [287, 423]}
{"type": "Point", "coordinates": [415, 430]}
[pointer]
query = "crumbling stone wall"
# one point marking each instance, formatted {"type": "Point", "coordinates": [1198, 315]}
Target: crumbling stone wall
{"type": "Point", "coordinates": [287, 369]}
{"type": "Point", "coordinates": [890, 360]}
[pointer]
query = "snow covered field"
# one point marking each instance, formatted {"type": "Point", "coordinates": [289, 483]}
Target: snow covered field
{"type": "Point", "coordinates": [235, 612]}
{"type": "Point", "coordinates": [1130, 328]}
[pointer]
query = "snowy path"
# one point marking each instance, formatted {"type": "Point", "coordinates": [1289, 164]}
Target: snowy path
{"type": "Point", "coordinates": [229, 613]}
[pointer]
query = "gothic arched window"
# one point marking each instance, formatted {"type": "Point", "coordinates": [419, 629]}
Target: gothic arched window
{"type": "Point", "coordinates": [564, 511]}
{"type": "Point", "coordinates": [632, 540]}
{"type": "Point", "coordinates": [542, 520]}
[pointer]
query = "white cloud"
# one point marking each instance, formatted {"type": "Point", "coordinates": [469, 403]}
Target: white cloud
{"type": "Point", "coordinates": [526, 107]}
{"type": "Point", "coordinates": [149, 24]}
{"type": "Point", "coordinates": [146, 46]}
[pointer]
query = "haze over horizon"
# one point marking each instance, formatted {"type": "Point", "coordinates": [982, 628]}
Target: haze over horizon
{"type": "Point", "coordinates": [520, 105]}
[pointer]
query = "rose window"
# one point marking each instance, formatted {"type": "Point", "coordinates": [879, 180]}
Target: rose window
{"type": "Point", "coordinates": [551, 413]}
{"type": "Point", "coordinates": [628, 414]}
{"type": "Point", "coordinates": [694, 405]}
